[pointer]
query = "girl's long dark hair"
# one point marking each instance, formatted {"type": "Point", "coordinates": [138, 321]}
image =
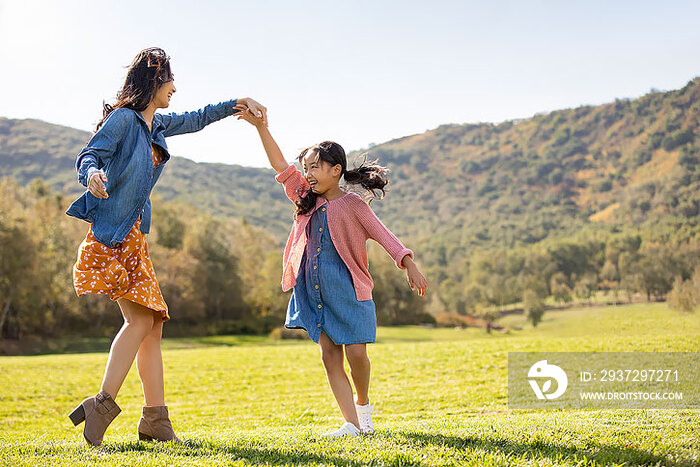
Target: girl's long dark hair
{"type": "Point", "coordinates": [369, 175]}
{"type": "Point", "coordinates": [147, 72]}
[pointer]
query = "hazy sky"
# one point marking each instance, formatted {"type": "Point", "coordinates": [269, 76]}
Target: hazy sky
{"type": "Point", "coordinates": [357, 72]}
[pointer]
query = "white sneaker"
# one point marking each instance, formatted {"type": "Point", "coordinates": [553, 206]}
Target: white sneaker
{"type": "Point", "coordinates": [364, 415]}
{"type": "Point", "coordinates": [346, 429]}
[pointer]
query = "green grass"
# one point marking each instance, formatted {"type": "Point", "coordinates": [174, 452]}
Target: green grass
{"type": "Point", "coordinates": [440, 398]}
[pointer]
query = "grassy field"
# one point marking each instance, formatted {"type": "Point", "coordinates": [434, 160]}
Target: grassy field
{"type": "Point", "coordinates": [440, 398]}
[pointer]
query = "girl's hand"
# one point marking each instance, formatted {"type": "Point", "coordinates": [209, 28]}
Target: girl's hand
{"type": "Point", "coordinates": [249, 116]}
{"type": "Point", "coordinates": [257, 109]}
{"type": "Point", "coordinates": [96, 184]}
{"type": "Point", "coordinates": [416, 280]}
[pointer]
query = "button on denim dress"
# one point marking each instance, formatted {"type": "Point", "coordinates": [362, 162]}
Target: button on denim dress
{"type": "Point", "coordinates": [323, 299]}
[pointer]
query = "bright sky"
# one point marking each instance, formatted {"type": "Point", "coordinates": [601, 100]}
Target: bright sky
{"type": "Point", "coordinates": [357, 72]}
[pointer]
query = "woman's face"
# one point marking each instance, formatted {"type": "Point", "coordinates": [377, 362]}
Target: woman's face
{"type": "Point", "coordinates": [163, 94]}
{"type": "Point", "coordinates": [319, 173]}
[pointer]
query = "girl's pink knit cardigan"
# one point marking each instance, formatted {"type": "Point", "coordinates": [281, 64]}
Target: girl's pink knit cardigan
{"type": "Point", "coordinates": [350, 223]}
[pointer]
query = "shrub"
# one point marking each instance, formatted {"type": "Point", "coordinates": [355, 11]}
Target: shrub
{"type": "Point", "coordinates": [533, 306]}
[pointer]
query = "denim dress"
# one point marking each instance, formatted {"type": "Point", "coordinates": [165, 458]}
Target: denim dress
{"type": "Point", "coordinates": [323, 299]}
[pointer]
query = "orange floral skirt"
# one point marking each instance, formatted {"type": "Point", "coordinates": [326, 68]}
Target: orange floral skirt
{"type": "Point", "coordinates": [122, 272]}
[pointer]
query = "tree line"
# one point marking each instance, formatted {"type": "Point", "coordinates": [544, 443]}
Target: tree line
{"type": "Point", "coordinates": [221, 275]}
{"type": "Point", "coordinates": [624, 265]}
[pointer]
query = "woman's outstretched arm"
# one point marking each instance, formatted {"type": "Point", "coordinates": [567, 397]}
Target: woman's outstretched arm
{"type": "Point", "coordinates": [189, 122]}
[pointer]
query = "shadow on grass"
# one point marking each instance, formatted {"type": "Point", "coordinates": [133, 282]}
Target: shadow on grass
{"type": "Point", "coordinates": [251, 454]}
{"type": "Point", "coordinates": [407, 448]}
{"type": "Point", "coordinates": [597, 452]}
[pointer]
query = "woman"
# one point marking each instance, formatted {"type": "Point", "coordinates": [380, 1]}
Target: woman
{"type": "Point", "coordinates": [119, 166]}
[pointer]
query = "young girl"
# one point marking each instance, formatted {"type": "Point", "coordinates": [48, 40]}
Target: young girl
{"type": "Point", "coordinates": [119, 166]}
{"type": "Point", "coordinates": [325, 261]}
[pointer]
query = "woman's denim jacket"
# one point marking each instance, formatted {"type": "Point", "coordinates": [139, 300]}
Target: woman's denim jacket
{"type": "Point", "coordinates": [122, 149]}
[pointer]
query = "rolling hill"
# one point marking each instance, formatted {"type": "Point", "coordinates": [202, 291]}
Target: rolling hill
{"type": "Point", "coordinates": [626, 164]}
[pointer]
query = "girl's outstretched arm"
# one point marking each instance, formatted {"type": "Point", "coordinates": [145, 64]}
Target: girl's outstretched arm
{"type": "Point", "coordinates": [274, 155]}
{"type": "Point", "coordinates": [377, 231]}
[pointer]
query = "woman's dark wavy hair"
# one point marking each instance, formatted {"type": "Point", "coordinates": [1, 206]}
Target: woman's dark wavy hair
{"type": "Point", "coordinates": [149, 70]}
{"type": "Point", "coordinates": [370, 175]}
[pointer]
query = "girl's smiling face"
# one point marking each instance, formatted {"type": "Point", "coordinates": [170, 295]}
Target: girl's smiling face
{"type": "Point", "coordinates": [319, 173]}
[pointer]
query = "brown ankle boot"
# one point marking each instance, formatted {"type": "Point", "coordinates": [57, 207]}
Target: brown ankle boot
{"type": "Point", "coordinates": [97, 412]}
{"type": "Point", "coordinates": [155, 425]}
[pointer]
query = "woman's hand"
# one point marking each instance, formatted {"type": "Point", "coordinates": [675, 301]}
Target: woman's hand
{"type": "Point", "coordinates": [96, 184]}
{"type": "Point", "coordinates": [257, 109]}
{"type": "Point", "coordinates": [248, 115]}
